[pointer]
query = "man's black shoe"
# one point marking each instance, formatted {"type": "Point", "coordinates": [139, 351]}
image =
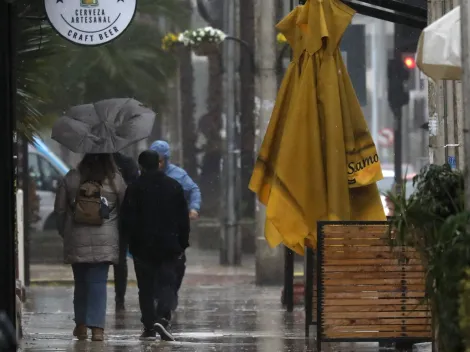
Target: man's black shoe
{"type": "Point", "coordinates": [148, 335]}
{"type": "Point", "coordinates": [161, 326]}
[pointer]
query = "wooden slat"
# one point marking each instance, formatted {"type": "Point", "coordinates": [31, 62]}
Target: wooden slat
{"type": "Point", "coordinates": [356, 242]}
{"type": "Point", "coordinates": [373, 268]}
{"type": "Point", "coordinates": [367, 262]}
{"type": "Point", "coordinates": [377, 308]}
{"type": "Point", "coordinates": [372, 275]}
{"type": "Point", "coordinates": [373, 295]}
{"type": "Point", "coordinates": [359, 230]}
{"type": "Point", "coordinates": [395, 328]}
{"type": "Point", "coordinates": [384, 248]}
{"type": "Point", "coordinates": [371, 255]}
{"type": "Point", "coordinates": [381, 282]}
{"type": "Point", "coordinates": [379, 321]}
{"type": "Point", "coordinates": [397, 314]}
{"type": "Point", "coordinates": [370, 302]}
{"type": "Point", "coordinates": [371, 288]}
{"type": "Point", "coordinates": [375, 334]}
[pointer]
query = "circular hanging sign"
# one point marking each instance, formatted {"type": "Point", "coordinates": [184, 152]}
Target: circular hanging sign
{"type": "Point", "coordinates": [90, 22]}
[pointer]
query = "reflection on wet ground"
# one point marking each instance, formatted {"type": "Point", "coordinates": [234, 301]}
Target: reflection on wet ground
{"type": "Point", "coordinates": [220, 318]}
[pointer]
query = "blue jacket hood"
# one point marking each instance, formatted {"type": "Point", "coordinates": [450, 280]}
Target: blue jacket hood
{"type": "Point", "coordinates": [162, 148]}
{"type": "Point", "coordinates": [191, 189]}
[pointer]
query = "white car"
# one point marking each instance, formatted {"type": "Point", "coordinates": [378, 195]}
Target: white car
{"type": "Point", "coordinates": [386, 184]}
{"type": "Point", "coordinates": [46, 169]}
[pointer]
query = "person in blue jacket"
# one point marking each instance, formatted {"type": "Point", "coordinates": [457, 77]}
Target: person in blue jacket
{"type": "Point", "coordinates": [192, 194]}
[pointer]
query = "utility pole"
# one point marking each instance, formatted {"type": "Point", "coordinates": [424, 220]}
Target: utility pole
{"type": "Point", "coordinates": [465, 23]}
{"type": "Point", "coordinates": [231, 237]}
{"type": "Point", "coordinates": [269, 262]}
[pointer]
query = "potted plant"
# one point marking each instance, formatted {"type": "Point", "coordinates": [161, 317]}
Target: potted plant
{"type": "Point", "coordinates": [204, 41]}
{"type": "Point", "coordinates": [433, 220]}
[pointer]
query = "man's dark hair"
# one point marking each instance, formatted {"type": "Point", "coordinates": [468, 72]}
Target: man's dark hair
{"type": "Point", "coordinates": [149, 160]}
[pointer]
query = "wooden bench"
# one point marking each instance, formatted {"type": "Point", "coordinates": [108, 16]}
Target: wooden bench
{"type": "Point", "coordinates": [367, 292]}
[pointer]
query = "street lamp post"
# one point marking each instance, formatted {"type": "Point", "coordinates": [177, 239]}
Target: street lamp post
{"type": "Point", "coordinates": [231, 236]}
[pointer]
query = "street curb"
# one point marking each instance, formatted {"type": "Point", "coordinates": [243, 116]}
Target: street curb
{"type": "Point", "coordinates": [36, 283]}
{"type": "Point", "coordinates": [132, 282]}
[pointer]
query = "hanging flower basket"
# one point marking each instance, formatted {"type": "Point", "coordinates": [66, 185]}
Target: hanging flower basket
{"type": "Point", "coordinates": [203, 41]}
{"type": "Point", "coordinates": [205, 49]}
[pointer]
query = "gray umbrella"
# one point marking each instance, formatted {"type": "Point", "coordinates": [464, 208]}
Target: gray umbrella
{"type": "Point", "coordinates": [104, 127]}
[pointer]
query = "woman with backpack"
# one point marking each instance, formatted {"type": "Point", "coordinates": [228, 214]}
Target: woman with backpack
{"type": "Point", "coordinates": [87, 208]}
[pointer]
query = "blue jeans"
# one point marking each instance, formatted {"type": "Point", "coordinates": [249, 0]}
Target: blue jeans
{"type": "Point", "coordinates": [89, 299]}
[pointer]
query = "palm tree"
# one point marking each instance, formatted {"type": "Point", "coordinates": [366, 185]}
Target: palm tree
{"type": "Point", "coordinates": [133, 65]}
{"type": "Point", "coordinates": [37, 45]}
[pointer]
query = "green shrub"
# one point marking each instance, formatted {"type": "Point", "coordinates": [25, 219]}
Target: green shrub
{"type": "Point", "coordinates": [434, 221]}
{"type": "Point", "coordinates": [464, 310]}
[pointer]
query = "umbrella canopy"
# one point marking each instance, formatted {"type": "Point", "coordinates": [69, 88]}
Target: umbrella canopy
{"type": "Point", "coordinates": [104, 127]}
{"type": "Point", "coordinates": [324, 164]}
{"type": "Point", "coordinates": [439, 53]}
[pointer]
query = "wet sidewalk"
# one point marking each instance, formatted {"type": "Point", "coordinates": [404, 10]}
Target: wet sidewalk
{"type": "Point", "coordinates": [220, 310]}
{"type": "Point", "coordinates": [218, 317]}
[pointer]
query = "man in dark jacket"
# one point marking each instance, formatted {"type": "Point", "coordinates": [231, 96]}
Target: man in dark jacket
{"type": "Point", "coordinates": [130, 172]}
{"type": "Point", "coordinates": [155, 219]}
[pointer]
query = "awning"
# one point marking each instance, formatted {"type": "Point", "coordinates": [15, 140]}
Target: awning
{"type": "Point", "coordinates": [412, 13]}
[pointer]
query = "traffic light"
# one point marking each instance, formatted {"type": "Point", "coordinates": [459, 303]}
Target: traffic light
{"type": "Point", "coordinates": [409, 60]}
{"type": "Point", "coordinates": [401, 66]}
{"type": "Point", "coordinates": [398, 76]}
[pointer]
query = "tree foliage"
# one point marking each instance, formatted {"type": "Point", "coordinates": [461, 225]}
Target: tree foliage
{"type": "Point", "coordinates": [54, 74]}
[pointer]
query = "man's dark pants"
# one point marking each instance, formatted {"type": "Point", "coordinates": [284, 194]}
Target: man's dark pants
{"type": "Point", "coordinates": [160, 275]}
{"type": "Point", "coordinates": [180, 270]}
{"type": "Point", "coordinates": [120, 274]}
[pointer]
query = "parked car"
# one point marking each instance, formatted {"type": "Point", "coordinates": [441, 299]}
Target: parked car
{"type": "Point", "coordinates": [386, 184]}
{"type": "Point", "coordinates": [46, 170]}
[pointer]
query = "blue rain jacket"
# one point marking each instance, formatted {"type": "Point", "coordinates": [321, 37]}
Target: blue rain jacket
{"type": "Point", "coordinates": [191, 189]}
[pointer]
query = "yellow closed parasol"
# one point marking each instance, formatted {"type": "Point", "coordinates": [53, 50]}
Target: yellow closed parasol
{"type": "Point", "coordinates": [318, 160]}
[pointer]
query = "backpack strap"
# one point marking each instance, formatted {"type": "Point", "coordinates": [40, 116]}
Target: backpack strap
{"type": "Point", "coordinates": [115, 190]}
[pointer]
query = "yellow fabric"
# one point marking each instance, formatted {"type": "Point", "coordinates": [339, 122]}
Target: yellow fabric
{"type": "Point", "coordinates": [325, 23]}
{"type": "Point", "coordinates": [316, 135]}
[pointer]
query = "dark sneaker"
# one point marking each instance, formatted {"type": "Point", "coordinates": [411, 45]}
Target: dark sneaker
{"type": "Point", "coordinates": [161, 326]}
{"type": "Point", "coordinates": [148, 335]}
